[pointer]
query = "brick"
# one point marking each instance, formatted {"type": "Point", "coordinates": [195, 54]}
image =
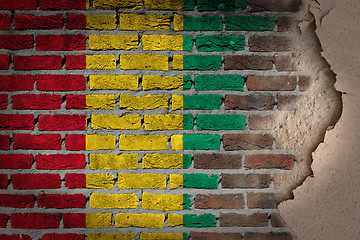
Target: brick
{"type": "Point", "coordinates": [16, 42]}
{"type": "Point", "coordinates": [63, 4]}
{"type": "Point", "coordinates": [16, 161]}
{"type": "Point", "coordinates": [36, 102]}
{"type": "Point", "coordinates": [17, 201]}
{"type": "Point", "coordinates": [75, 142]}
{"type": "Point", "coordinates": [102, 62]}
{"type": "Point", "coordinates": [129, 21]}
{"type": "Point", "coordinates": [217, 161]}
{"type": "Point", "coordinates": [268, 236]}
{"type": "Point", "coordinates": [16, 122]}
{"type": "Point", "coordinates": [249, 102]}
{"type": "Point", "coordinates": [49, 62]}
{"type": "Point", "coordinates": [75, 101]}
{"type": "Point", "coordinates": [285, 63]}
{"type": "Point", "coordinates": [219, 82]}
{"type": "Point", "coordinates": [62, 236]}
{"type": "Point", "coordinates": [243, 220]}
{"type": "Point", "coordinates": [76, 21]}
{"type": "Point", "coordinates": [114, 201]}
{"type": "Point", "coordinates": [215, 43]}
{"type": "Point", "coordinates": [23, 22]}
{"type": "Point", "coordinates": [249, 62]}
{"type": "Point", "coordinates": [101, 22]}
{"type": "Point", "coordinates": [166, 161]}
{"type": "Point", "coordinates": [288, 102]}
{"type": "Point", "coordinates": [166, 202]}
{"type": "Point", "coordinates": [269, 43]}
{"type": "Point", "coordinates": [271, 83]}
{"type": "Point", "coordinates": [124, 122]}
{"type": "Point", "coordinates": [18, 5]}
{"type": "Point", "coordinates": [250, 23]}
{"type": "Point", "coordinates": [144, 62]}
{"type": "Point", "coordinates": [274, 5]}
{"type": "Point", "coordinates": [100, 181]}
{"type": "Point", "coordinates": [304, 83]}
{"type": "Point", "coordinates": [60, 42]}
{"type": "Point", "coordinates": [227, 5]}
{"type": "Point", "coordinates": [259, 122]}
{"type": "Point", "coordinates": [276, 220]}
{"type": "Point", "coordinates": [144, 220]}
{"type": "Point", "coordinates": [245, 180]}
{"type": "Point", "coordinates": [3, 101]}
{"type": "Point", "coordinates": [98, 220]}
{"type": "Point", "coordinates": [14, 237]}
{"type": "Point", "coordinates": [269, 161]}
{"type": "Point", "coordinates": [36, 181]}
{"type": "Point", "coordinates": [141, 181]}
{"type": "Point", "coordinates": [114, 82]}
{"type": "Point", "coordinates": [219, 201]}
{"type": "Point", "coordinates": [199, 221]}
{"type": "Point", "coordinates": [61, 201]}
{"type": "Point", "coordinates": [169, 5]}
{"type": "Point", "coordinates": [146, 102]}
{"type": "Point", "coordinates": [112, 161]}
{"type": "Point", "coordinates": [172, 236]}
{"type": "Point", "coordinates": [4, 182]}
{"type": "Point", "coordinates": [247, 141]}
{"type": "Point", "coordinates": [5, 21]}
{"type": "Point", "coordinates": [168, 122]}
{"type": "Point", "coordinates": [200, 181]}
{"type": "Point", "coordinates": [167, 42]}
{"type": "Point", "coordinates": [4, 142]}
{"type": "Point", "coordinates": [37, 142]}
{"type": "Point", "coordinates": [287, 24]}
{"type": "Point", "coordinates": [16, 83]}
{"type": "Point", "coordinates": [215, 236]}
{"type": "Point", "coordinates": [176, 181]}
{"type": "Point", "coordinates": [100, 142]}
{"type": "Point", "coordinates": [115, 4]}
{"type": "Point", "coordinates": [113, 42]}
{"type": "Point", "coordinates": [196, 102]}
{"type": "Point", "coordinates": [101, 102]}
{"type": "Point", "coordinates": [75, 62]}
{"type": "Point", "coordinates": [190, 23]}
{"type": "Point", "coordinates": [4, 218]}
{"type": "Point", "coordinates": [74, 220]}
{"type": "Point", "coordinates": [152, 82]}
{"type": "Point", "coordinates": [197, 62]}
{"type": "Point", "coordinates": [143, 142]}
{"type": "Point", "coordinates": [262, 200]}
{"type": "Point", "coordinates": [60, 161]}
{"type": "Point", "coordinates": [4, 61]}
{"type": "Point", "coordinates": [75, 180]}
{"type": "Point", "coordinates": [35, 220]}
{"type": "Point", "coordinates": [62, 122]}
{"type": "Point", "coordinates": [220, 122]}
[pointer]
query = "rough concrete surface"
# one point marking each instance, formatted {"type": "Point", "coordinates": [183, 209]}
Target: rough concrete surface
{"type": "Point", "coordinates": [326, 205]}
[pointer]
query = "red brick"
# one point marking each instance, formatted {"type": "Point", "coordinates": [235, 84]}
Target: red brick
{"type": "Point", "coordinates": [16, 83]}
{"type": "Point", "coordinates": [75, 180]}
{"type": "Point", "coordinates": [304, 83]}
{"type": "Point", "coordinates": [217, 161]}
{"type": "Point", "coordinates": [76, 21]}
{"type": "Point", "coordinates": [274, 5]}
{"type": "Point", "coordinates": [75, 142]}
{"type": "Point", "coordinates": [4, 61]}
{"type": "Point", "coordinates": [287, 24]}
{"type": "Point", "coordinates": [5, 21]}
{"type": "Point", "coordinates": [62, 4]}
{"type": "Point", "coordinates": [60, 42]}
{"type": "Point", "coordinates": [287, 102]}
{"type": "Point", "coordinates": [259, 122]}
{"type": "Point", "coordinates": [247, 141]}
{"type": "Point", "coordinates": [245, 180]}
{"type": "Point", "coordinates": [219, 201]}
{"type": "Point", "coordinates": [35, 220]}
{"type": "Point", "coordinates": [36, 181]}
{"type": "Point", "coordinates": [262, 200]}
{"type": "Point", "coordinates": [75, 101]}
{"type": "Point", "coordinates": [249, 102]}
{"type": "Point", "coordinates": [243, 220]}
{"type": "Point", "coordinates": [16, 161]}
{"type": "Point", "coordinates": [276, 220]}
{"type": "Point", "coordinates": [215, 236]}
{"type": "Point", "coordinates": [49, 62]}
{"type": "Point", "coordinates": [62, 122]}
{"type": "Point", "coordinates": [4, 218]}
{"type": "Point", "coordinates": [16, 122]}
{"type": "Point", "coordinates": [3, 101]}
{"type": "Point", "coordinates": [18, 5]}
{"type": "Point", "coordinates": [60, 161]}
{"type": "Point", "coordinates": [17, 201]}
{"type": "Point", "coordinates": [38, 22]}
{"type": "Point", "coordinates": [37, 142]}
{"type": "Point", "coordinates": [62, 236]}
{"type": "Point", "coordinates": [285, 63]}
{"type": "Point", "coordinates": [16, 42]}
{"type": "Point", "coordinates": [271, 83]}
{"type": "Point", "coordinates": [251, 62]}
{"type": "Point", "coordinates": [4, 181]}
{"type": "Point", "coordinates": [269, 43]}
{"type": "Point", "coordinates": [61, 201]}
{"type": "Point", "coordinates": [36, 102]}
{"type": "Point", "coordinates": [268, 236]}
{"type": "Point", "coordinates": [75, 62]}
{"type": "Point", "coordinates": [14, 237]}
{"type": "Point", "coordinates": [61, 82]}
{"type": "Point", "coordinates": [74, 220]}
{"type": "Point", "coordinates": [269, 161]}
{"type": "Point", "coordinates": [4, 142]}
